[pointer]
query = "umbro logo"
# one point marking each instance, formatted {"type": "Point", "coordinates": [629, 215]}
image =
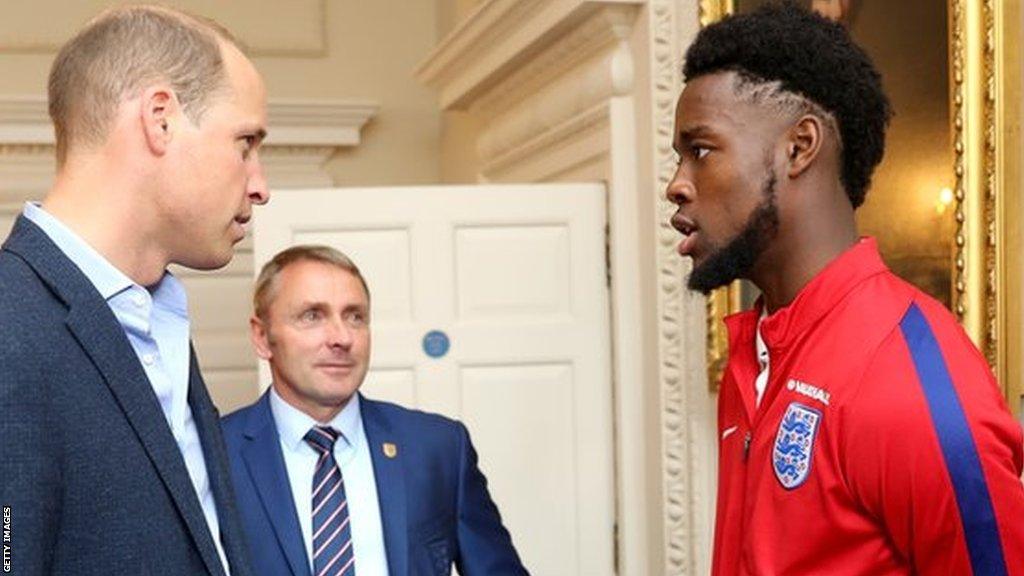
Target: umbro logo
{"type": "Point", "coordinates": [809, 390]}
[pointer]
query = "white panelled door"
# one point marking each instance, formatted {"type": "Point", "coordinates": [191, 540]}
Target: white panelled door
{"type": "Point", "coordinates": [490, 305]}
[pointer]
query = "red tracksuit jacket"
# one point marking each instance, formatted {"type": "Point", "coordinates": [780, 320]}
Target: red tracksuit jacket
{"type": "Point", "coordinates": [882, 444]}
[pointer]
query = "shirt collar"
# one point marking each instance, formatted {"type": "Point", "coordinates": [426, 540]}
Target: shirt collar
{"type": "Point", "coordinates": [293, 424]}
{"type": "Point", "coordinates": [168, 293]}
{"type": "Point", "coordinates": [823, 292]}
{"type": "Point", "coordinates": [107, 279]}
{"type": "Point", "coordinates": [817, 298]}
{"type": "Point", "coordinates": [759, 344]}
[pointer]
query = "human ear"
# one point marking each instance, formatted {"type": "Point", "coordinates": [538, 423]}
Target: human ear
{"type": "Point", "coordinates": [260, 338]}
{"type": "Point", "coordinates": [159, 109]}
{"type": "Point", "coordinates": [803, 145]}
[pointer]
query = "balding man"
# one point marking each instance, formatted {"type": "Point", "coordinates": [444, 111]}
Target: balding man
{"type": "Point", "coordinates": [112, 461]}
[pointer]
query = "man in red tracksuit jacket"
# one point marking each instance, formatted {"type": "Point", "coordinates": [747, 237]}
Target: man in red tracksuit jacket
{"type": "Point", "coordinates": [860, 430]}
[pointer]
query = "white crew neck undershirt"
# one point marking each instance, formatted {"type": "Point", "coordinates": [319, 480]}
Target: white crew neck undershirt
{"type": "Point", "coordinates": [761, 382]}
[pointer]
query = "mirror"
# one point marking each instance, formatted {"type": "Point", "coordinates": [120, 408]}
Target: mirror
{"type": "Point", "coordinates": [939, 202]}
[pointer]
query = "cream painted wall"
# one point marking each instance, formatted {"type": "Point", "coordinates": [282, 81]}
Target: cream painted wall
{"type": "Point", "coordinates": [306, 49]}
{"type": "Point", "coordinates": [373, 49]}
{"type": "Point", "coordinates": [451, 12]}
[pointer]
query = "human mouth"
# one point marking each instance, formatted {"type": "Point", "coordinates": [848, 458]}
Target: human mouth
{"type": "Point", "coordinates": [689, 231]}
{"type": "Point", "coordinates": [336, 366]}
{"type": "Point", "coordinates": [240, 224]}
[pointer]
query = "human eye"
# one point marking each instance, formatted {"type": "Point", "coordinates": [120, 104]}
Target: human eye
{"type": "Point", "coordinates": [356, 318]}
{"type": "Point", "coordinates": [249, 142]}
{"type": "Point", "coordinates": [687, 151]}
{"type": "Point", "coordinates": [310, 315]}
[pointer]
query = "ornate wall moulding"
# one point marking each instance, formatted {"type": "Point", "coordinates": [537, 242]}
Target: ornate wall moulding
{"type": "Point", "coordinates": [561, 100]}
{"type": "Point", "coordinates": [303, 135]}
{"type": "Point", "coordinates": [316, 123]}
{"type": "Point", "coordinates": [24, 120]}
{"type": "Point", "coordinates": [297, 166]}
{"type": "Point", "coordinates": [555, 151]}
{"type": "Point", "coordinates": [500, 36]}
{"type": "Point", "coordinates": [687, 413]}
{"type": "Point", "coordinates": [597, 44]}
{"type": "Point", "coordinates": [985, 59]}
{"type": "Point", "coordinates": [26, 171]}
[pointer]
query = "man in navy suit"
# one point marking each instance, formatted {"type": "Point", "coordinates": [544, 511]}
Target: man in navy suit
{"type": "Point", "coordinates": [330, 482]}
{"type": "Point", "coordinates": [111, 457]}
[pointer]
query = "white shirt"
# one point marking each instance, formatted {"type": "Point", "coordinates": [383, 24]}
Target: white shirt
{"type": "Point", "coordinates": [352, 453]}
{"type": "Point", "coordinates": [156, 323]}
{"type": "Point", "coordinates": [761, 382]}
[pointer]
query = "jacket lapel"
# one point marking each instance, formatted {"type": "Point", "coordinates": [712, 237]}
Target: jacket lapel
{"type": "Point", "coordinates": [95, 327]}
{"type": "Point", "coordinates": [205, 415]}
{"type": "Point", "coordinates": [265, 463]}
{"type": "Point", "coordinates": [390, 477]}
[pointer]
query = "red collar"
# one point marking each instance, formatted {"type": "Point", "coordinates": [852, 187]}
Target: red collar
{"type": "Point", "coordinates": [818, 297]}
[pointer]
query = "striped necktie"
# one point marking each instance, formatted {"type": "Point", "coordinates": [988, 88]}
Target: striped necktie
{"type": "Point", "coordinates": [332, 536]}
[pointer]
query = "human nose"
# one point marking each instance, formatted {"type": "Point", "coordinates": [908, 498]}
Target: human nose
{"type": "Point", "coordinates": [256, 187]}
{"type": "Point", "coordinates": [680, 188]}
{"type": "Point", "coordinates": [339, 334]}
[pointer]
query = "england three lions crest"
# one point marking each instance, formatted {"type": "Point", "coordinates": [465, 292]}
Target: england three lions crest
{"type": "Point", "coordinates": [794, 445]}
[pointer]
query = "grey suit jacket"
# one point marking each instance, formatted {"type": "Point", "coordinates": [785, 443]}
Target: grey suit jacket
{"type": "Point", "coordinates": [93, 478]}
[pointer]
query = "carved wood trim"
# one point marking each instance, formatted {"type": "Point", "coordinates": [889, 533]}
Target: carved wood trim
{"type": "Point", "coordinates": [503, 35]}
{"type": "Point", "coordinates": [303, 136]}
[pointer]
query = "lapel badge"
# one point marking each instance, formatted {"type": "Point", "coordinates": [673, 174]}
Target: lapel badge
{"type": "Point", "coordinates": [390, 450]}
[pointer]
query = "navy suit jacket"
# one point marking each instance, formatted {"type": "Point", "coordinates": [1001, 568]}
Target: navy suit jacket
{"type": "Point", "coordinates": [93, 477]}
{"type": "Point", "coordinates": [433, 499]}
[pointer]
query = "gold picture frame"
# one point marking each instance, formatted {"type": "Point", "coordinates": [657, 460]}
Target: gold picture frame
{"type": "Point", "coordinates": [985, 112]}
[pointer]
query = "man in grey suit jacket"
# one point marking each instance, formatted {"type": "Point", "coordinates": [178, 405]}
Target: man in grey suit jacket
{"type": "Point", "coordinates": [111, 460]}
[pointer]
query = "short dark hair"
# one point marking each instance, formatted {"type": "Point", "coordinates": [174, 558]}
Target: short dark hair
{"type": "Point", "coordinates": [812, 57]}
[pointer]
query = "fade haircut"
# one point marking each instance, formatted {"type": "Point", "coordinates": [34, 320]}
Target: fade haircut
{"type": "Point", "coordinates": [266, 283]}
{"type": "Point", "coordinates": [122, 51]}
{"type": "Point", "coordinates": [799, 62]}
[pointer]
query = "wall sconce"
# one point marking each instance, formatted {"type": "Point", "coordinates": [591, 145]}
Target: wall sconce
{"type": "Point", "coordinates": [945, 199]}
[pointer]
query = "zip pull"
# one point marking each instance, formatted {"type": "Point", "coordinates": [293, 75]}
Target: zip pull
{"type": "Point", "coordinates": [746, 446]}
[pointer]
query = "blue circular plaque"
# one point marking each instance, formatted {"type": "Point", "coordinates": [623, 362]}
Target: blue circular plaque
{"type": "Point", "coordinates": [436, 343]}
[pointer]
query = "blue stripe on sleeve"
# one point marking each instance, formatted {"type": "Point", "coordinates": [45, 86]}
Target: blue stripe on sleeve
{"type": "Point", "coordinates": [958, 449]}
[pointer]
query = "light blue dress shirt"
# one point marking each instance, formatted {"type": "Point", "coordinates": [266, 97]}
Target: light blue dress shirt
{"type": "Point", "coordinates": [352, 454]}
{"type": "Point", "coordinates": [157, 326]}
